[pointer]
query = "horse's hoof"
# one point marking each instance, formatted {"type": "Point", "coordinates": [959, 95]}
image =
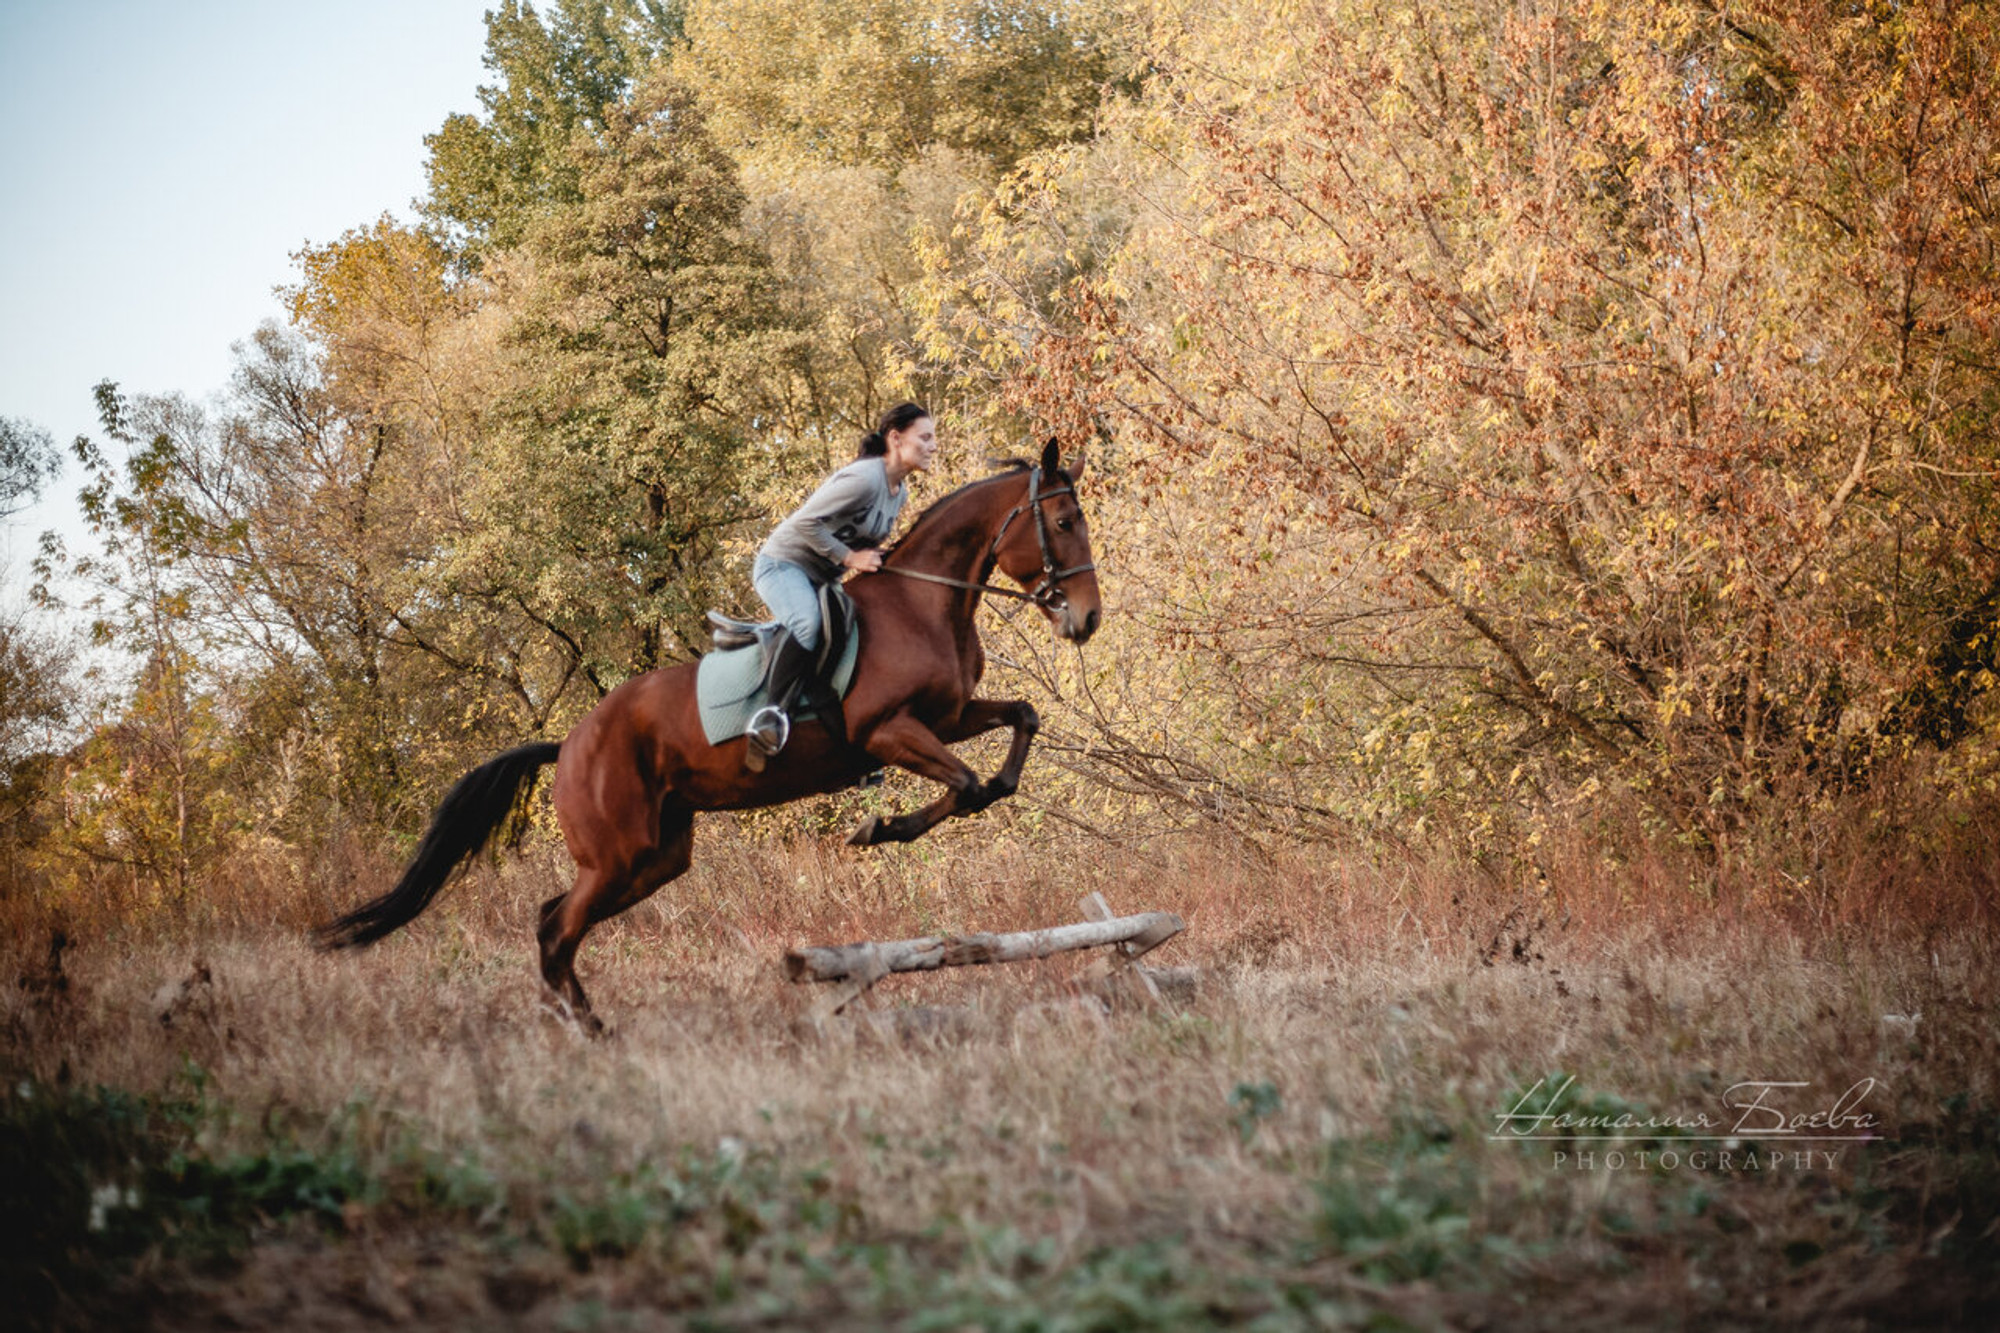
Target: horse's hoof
{"type": "Point", "coordinates": [868, 834]}
{"type": "Point", "coordinates": [582, 1022]}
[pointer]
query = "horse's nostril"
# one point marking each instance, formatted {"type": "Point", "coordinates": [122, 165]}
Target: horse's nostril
{"type": "Point", "coordinates": [1090, 622]}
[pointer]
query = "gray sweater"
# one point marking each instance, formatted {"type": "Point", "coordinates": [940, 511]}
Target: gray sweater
{"type": "Point", "coordinates": [852, 510]}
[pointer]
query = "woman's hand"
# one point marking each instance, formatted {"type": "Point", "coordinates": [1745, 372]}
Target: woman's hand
{"type": "Point", "coordinates": [863, 562]}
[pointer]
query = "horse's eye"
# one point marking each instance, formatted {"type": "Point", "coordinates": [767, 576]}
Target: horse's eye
{"type": "Point", "coordinates": [1064, 525]}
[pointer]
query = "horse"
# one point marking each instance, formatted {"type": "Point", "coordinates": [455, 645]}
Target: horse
{"type": "Point", "coordinates": [632, 775]}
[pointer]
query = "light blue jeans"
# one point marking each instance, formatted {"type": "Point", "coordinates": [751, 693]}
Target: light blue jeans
{"type": "Point", "coordinates": [792, 596]}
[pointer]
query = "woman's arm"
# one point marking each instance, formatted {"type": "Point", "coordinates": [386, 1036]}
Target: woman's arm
{"type": "Point", "coordinates": [845, 497]}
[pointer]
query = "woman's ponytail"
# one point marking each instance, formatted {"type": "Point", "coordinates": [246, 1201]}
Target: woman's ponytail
{"type": "Point", "coordinates": [902, 416]}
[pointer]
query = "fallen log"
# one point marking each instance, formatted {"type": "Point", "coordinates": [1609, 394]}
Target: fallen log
{"type": "Point", "coordinates": [870, 961]}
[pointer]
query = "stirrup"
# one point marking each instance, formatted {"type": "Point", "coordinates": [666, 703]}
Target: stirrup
{"type": "Point", "coordinates": [768, 730]}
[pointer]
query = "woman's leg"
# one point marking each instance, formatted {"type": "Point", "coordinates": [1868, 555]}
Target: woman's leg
{"type": "Point", "coordinates": [789, 592]}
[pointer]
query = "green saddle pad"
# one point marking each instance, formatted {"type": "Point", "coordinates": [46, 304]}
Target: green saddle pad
{"type": "Point", "coordinates": [728, 687]}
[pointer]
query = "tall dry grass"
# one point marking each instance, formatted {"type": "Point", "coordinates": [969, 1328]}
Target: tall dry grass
{"type": "Point", "coordinates": [1318, 1110]}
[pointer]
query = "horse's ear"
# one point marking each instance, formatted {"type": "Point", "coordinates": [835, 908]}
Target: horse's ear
{"type": "Point", "coordinates": [1077, 462]}
{"type": "Point", "coordinates": [1051, 456]}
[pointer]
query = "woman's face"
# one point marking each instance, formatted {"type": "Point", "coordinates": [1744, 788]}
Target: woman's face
{"type": "Point", "coordinates": [912, 448]}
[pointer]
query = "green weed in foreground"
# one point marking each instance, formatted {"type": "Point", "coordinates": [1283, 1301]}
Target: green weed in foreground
{"type": "Point", "coordinates": [91, 1176]}
{"type": "Point", "coordinates": [1400, 1207]}
{"type": "Point", "coordinates": [1253, 1103]}
{"type": "Point", "coordinates": [95, 1178]}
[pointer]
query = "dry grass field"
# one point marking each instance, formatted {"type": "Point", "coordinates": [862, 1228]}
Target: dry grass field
{"type": "Point", "coordinates": [208, 1125]}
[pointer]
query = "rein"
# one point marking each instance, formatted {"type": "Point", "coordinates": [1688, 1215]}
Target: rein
{"type": "Point", "coordinates": [1047, 591]}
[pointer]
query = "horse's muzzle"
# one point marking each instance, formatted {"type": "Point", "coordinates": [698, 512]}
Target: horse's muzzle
{"type": "Point", "coordinates": [1077, 628]}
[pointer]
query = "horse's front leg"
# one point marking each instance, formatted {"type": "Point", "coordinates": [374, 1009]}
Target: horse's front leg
{"type": "Point", "coordinates": [908, 743]}
{"type": "Point", "coordinates": [983, 715]}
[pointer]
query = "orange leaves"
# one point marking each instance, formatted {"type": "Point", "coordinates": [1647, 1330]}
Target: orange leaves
{"type": "Point", "coordinates": [1642, 332]}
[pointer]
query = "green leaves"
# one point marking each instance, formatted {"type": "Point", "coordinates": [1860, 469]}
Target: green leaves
{"type": "Point", "coordinates": [491, 174]}
{"type": "Point", "coordinates": [647, 335]}
{"type": "Point", "coordinates": [1252, 1104]}
{"type": "Point", "coordinates": [28, 461]}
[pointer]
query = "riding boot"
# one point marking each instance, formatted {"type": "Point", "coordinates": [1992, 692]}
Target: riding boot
{"type": "Point", "coordinates": [786, 672]}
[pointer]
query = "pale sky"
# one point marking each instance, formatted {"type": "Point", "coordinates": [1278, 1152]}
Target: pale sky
{"type": "Point", "coordinates": [160, 164]}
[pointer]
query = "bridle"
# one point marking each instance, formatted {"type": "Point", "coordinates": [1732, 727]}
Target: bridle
{"type": "Point", "coordinates": [1047, 592]}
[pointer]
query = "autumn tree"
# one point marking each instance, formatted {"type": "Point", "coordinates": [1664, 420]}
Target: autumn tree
{"type": "Point", "coordinates": [265, 555]}
{"type": "Point", "coordinates": [141, 792]}
{"type": "Point", "coordinates": [409, 361]}
{"type": "Point", "coordinates": [32, 664]}
{"type": "Point", "coordinates": [1573, 399]}
{"type": "Point", "coordinates": [860, 127]}
{"type": "Point", "coordinates": [35, 711]}
{"type": "Point", "coordinates": [881, 82]}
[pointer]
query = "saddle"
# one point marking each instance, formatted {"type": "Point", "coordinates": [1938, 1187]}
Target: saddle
{"type": "Point", "coordinates": [729, 632]}
{"type": "Point", "coordinates": [836, 625]}
{"type": "Point", "coordinates": [729, 683]}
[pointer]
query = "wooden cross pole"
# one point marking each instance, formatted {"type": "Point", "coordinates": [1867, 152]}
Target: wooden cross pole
{"type": "Point", "coordinates": [1123, 967]}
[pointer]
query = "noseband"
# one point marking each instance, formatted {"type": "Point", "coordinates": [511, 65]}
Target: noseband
{"type": "Point", "coordinates": [1047, 592]}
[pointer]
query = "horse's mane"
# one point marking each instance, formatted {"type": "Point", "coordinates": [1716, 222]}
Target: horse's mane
{"type": "Point", "coordinates": [1009, 467]}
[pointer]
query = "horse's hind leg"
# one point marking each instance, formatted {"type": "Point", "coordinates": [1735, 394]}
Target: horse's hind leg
{"type": "Point", "coordinates": [599, 895]}
{"type": "Point", "coordinates": [565, 918]}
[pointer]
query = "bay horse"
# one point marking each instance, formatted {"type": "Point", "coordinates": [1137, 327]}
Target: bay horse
{"type": "Point", "coordinates": [633, 774]}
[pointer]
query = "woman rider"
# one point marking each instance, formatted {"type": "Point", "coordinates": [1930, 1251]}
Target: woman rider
{"type": "Point", "coordinates": [835, 530]}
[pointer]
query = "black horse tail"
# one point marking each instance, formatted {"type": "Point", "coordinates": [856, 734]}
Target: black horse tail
{"type": "Point", "coordinates": [464, 824]}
